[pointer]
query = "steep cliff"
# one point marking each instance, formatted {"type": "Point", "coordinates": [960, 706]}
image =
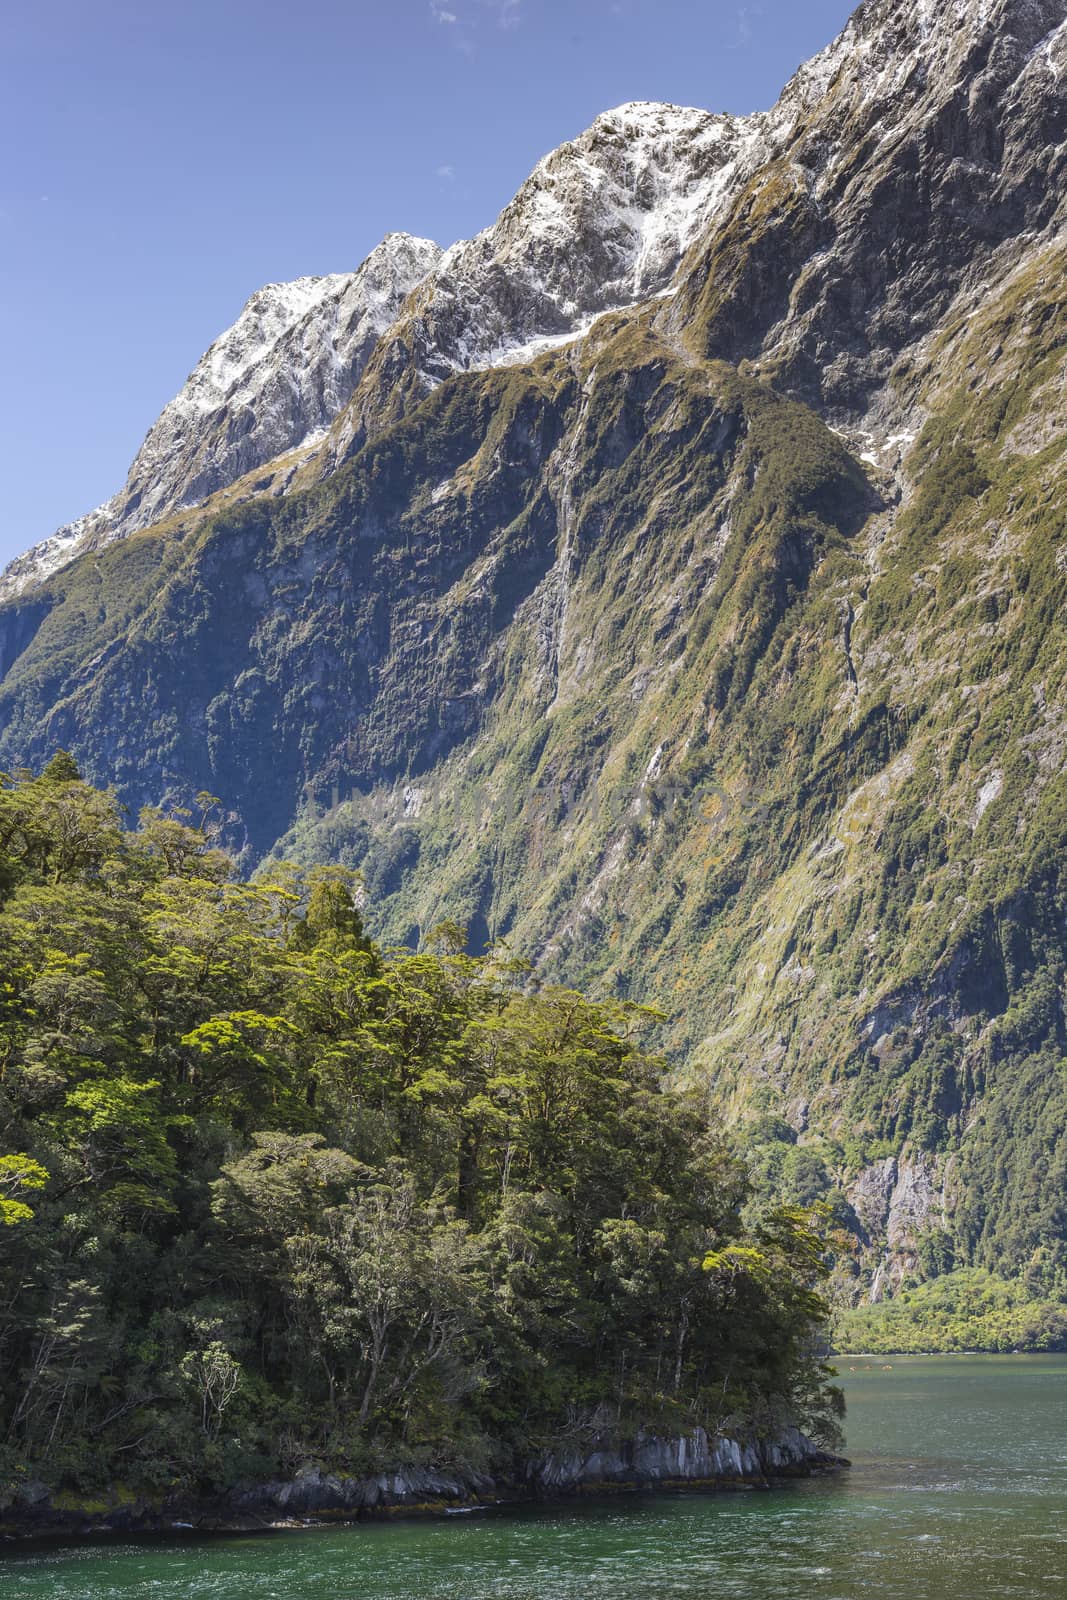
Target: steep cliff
{"type": "Point", "coordinates": [268, 385]}
{"type": "Point", "coordinates": [678, 591]}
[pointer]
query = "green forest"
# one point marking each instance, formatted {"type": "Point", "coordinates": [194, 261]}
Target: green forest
{"type": "Point", "coordinates": [272, 1194]}
{"type": "Point", "coordinates": [969, 1309]}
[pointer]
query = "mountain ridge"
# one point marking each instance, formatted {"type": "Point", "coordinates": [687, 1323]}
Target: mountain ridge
{"type": "Point", "coordinates": [292, 356]}
{"type": "Point", "coordinates": [647, 134]}
{"type": "Point", "coordinates": [630, 146]}
{"type": "Point", "coordinates": [712, 653]}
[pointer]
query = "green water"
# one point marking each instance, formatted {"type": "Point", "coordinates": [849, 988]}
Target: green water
{"type": "Point", "coordinates": [958, 1491]}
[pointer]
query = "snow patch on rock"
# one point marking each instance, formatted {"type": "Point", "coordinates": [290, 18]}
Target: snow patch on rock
{"type": "Point", "coordinates": [600, 225]}
{"type": "Point", "coordinates": [271, 383]}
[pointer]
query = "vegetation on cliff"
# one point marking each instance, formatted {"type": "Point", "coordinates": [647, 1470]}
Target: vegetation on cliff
{"type": "Point", "coordinates": [716, 659]}
{"type": "Point", "coordinates": [965, 1310]}
{"type": "Point", "coordinates": [600, 655]}
{"type": "Point", "coordinates": [271, 1193]}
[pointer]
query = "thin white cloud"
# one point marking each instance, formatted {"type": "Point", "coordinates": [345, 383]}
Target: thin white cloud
{"type": "Point", "coordinates": [747, 19]}
{"type": "Point", "coordinates": [448, 173]}
{"type": "Point", "coordinates": [508, 12]}
{"type": "Point", "coordinates": [467, 26]}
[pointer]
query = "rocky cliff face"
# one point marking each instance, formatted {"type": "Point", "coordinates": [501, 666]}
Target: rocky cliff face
{"type": "Point", "coordinates": [268, 385]}
{"type": "Point", "coordinates": [912, 161]}
{"type": "Point", "coordinates": [649, 1461]}
{"type": "Point", "coordinates": [678, 590]}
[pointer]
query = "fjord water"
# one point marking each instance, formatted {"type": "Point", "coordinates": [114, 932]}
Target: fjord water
{"type": "Point", "coordinates": [958, 1489]}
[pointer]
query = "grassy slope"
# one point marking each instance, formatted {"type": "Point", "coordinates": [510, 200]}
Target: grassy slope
{"type": "Point", "coordinates": [621, 657]}
{"type": "Point", "coordinates": [838, 870]}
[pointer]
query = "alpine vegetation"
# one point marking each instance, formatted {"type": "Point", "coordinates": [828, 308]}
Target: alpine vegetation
{"type": "Point", "coordinates": [667, 584]}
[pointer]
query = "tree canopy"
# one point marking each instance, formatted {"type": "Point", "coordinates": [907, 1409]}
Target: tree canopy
{"type": "Point", "coordinates": [271, 1193]}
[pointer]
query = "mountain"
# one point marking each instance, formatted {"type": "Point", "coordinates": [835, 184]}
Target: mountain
{"type": "Point", "coordinates": [601, 223]}
{"type": "Point", "coordinates": [677, 590]}
{"type": "Point", "coordinates": [266, 386]}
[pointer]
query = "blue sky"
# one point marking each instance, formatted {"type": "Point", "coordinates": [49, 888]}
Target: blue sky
{"type": "Point", "coordinates": [161, 161]}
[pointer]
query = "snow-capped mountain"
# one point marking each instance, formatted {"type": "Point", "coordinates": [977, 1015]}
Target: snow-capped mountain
{"type": "Point", "coordinates": [605, 222]}
{"type": "Point", "coordinates": [267, 385]}
{"type": "Point", "coordinates": [601, 224]}
{"type": "Point", "coordinates": [279, 374]}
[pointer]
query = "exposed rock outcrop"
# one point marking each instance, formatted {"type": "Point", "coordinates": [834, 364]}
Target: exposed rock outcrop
{"type": "Point", "coordinates": [679, 592]}
{"type": "Point", "coordinates": [268, 385]}
{"type": "Point", "coordinates": [648, 1461]}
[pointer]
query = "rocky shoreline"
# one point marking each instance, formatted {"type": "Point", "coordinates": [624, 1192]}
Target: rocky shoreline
{"type": "Point", "coordinates": [646, 1462]}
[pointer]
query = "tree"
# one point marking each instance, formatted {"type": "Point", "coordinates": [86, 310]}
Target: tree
{"type": "Point", "coordinates": [215, 1377]}
{"type": "Point", "coordinates": [332, 919]}
{"type": "Point", "coordinates": [263, 1178]}
{"type": "Point", "coordinates": [410, 1275]}
{"type": "Point", "coordinates": [18, 1175]}
{"type": "Point", "coordinates": [61, 769]}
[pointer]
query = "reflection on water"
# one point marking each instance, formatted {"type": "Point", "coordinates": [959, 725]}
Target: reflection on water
{"type": "Point", "coordinates": [958, 1491]}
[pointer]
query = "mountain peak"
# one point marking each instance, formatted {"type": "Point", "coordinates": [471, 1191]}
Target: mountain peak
{"type": "Point", "coordinates": [277, 376]}
{"type": "Point", "coordinates": [654, 115]}
{"type": "Point", "coordinates": [267, 385]}
{"type": "Point", "coordinates": [601, 224]}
